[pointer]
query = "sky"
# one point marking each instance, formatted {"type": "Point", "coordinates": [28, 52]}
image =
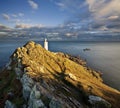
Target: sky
{"type": "Point", "coordinates": [29, 12]}
{"type": "Point", "coordinates": [87, 15]}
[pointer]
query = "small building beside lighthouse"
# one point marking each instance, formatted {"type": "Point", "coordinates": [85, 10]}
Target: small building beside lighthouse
{"type": "Point", "coordinates": [46, 44]}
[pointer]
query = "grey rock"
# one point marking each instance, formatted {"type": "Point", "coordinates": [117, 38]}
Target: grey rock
{"type": "Point", "coordinates": [55, 104]}
{"type": "Point", "coordinates": [8, 65]}
{"type": "Point", "coordinates": [19, 65]}
{"type": "Point", "coordinates": [34, 99]}
{"type": "Point", "coordinates": [27, 83]}
{"type": "Point", "coordinates": [35, 103]}
{"type": "Point", "coordinates": [18, 72]}
{"type": "Point", "coordinates": [98, 102]}
{"type": "Point", "coordinates": [26, 80]}
{"type": "Point", "coordinates": [8, 104]}
{"type": "Point", "coordinates": [38, 104]}
{"type": "Point", "coordinates": [26, 92]}
{"type": "Point", "coordinates": [35, 93]}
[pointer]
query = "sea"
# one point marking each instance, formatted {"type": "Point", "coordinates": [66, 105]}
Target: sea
{"type": "Point", "coordinates": [101, 56]}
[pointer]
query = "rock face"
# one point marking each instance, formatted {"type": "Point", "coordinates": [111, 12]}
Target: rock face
{"type": "Point", "coordinates": [98, 102]}
{"type": "Point", "coordinates": [27, 83]}
{"type": "Point", "coordinates": [43, 79]}
{"type": "Point", "coordinates": [55, 104]}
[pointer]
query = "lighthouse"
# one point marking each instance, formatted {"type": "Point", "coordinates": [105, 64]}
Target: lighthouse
{"type": "Point", "coordinates": [46, 44]}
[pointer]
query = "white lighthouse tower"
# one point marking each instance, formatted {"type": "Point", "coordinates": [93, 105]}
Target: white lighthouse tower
{"type": "Point", "coordinates": [46, 44]}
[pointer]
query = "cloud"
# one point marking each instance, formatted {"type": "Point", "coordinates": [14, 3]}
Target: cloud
{"type": "Point", "coordinates": [27, 26]}
{"type": "Point", "coordinates": [4, 28]}
{"type": "Point", "coordinates": [104, 8]}
{"type": "Point", "coordinates": [17, 15]}
{"type": "Point", "coordinates": [105, 12]}
{"type": "Point", "coordinates": [16, 18]}
{"type": "Point", "coordinates": [113, 17]}
{"type": "Point", "coordinates": [6, 16]}
{"type": "Point", "coordinates": [22, 26]}
{"type": "Point", "coordinates": [14, 15]}
{"type": "Point", "coordinates": [92, 14]}
{"type": "Point", "coordinates": [33, 4]}
{"type": "Point", "coordinates": [16, 21]}
{"type": "Point", "coordinates": [21, 14]}
{"type": "Point", "coordinates": [61, 5]}
{"type": "Point", "coordinates": [72, 6]}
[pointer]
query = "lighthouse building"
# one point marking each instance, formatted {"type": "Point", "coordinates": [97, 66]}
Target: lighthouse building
{"type": "Point", "coordinates": [46, 44]}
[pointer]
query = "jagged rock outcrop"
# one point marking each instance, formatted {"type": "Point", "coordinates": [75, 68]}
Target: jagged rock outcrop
{"type": "Point", "coordinates": [27, 84]}
{"type": "Point", "coordinates": [43, 79]}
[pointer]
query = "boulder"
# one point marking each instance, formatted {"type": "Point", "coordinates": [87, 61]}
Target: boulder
{"type": "Point", "coordinates": [35, 93]}
{"type": "Point", "coordinates": [26, 92]}
{"type": "Point", "coordinates": [34, 99]}
{"type": "Point", "coordinates": [38, 104]}
{"type": "Point", "coordinates": [35, 103]}
{"type": "Point", "coordinates": [55, 104]}
{"type": "Point", "coordinates": [98, 102]}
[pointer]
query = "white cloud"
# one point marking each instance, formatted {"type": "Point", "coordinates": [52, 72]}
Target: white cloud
{"type": "Point", "coordinates": [17, 15]}
{"type": "Point", "coordinates": [17, 20]}
{"type": "Point", "coordinates": [4, 27]}
{"type": "Point", "coordinates": [6, 16]}
{"type": "Point", "coordinates": [105, 13]}
{"type": "Point", "coordinates": [104, 8]}
{"type": "Point", "coordinates": [23, 26]}
{"type": "Point", "coordinates": [113, 17]}
{"type": "Point", "coordinates": [69, 5]}
{"type": "Point", "coordinates": [33, 4]}
{"type": "Point", "coordinates": [61, 5]}
{"type": "Point", "coordinates": [27, 26]}
{"type": "Point", "coordinates": [21, 14]}
{"type": "Point", "coordinates": [39, 25]}
{"type": "Point", "coordinates": [91, 14]}
{"type": "Point", "coordinates": [14, 15]}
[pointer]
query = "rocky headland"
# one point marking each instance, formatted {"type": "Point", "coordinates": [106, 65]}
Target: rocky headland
{"type": "Point", "coordinates": [37, 78]}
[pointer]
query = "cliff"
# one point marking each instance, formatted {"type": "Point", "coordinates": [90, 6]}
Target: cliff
{"type": "Point", "coordinates": [37, 78]}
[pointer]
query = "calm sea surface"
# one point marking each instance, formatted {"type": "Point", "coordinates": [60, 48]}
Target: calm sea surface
{"type": "Point", "coordinates": [103, 56]}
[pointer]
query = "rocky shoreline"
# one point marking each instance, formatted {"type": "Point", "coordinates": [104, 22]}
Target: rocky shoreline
{"type": "Point", "coordinates": [37, 78]}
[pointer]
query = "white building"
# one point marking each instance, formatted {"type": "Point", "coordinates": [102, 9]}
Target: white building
{"type": "Point", "coordinates": [46, 44]}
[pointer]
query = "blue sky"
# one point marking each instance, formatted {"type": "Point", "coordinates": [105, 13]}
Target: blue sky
{"type": "Point", "coordinates": [99, 15]}
{"type": "Point", "coordinates": [35, 12]}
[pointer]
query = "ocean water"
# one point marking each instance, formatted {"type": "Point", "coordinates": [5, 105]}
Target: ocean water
{"type": "Point", "coordinates": [103, 56]}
